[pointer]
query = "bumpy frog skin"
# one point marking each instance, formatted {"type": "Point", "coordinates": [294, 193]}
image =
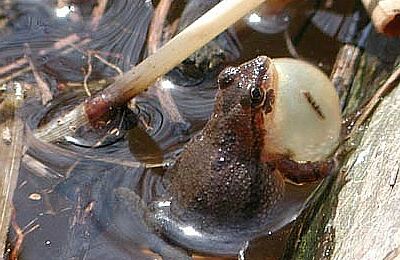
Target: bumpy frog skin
{"type": "Point", "coordinates": [219, 174]}
{"type": "Point", "coordinates": [220, 193]}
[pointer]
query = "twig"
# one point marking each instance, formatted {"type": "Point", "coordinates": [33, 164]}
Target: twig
{"type": "Point", "coordinates": [43, 87]}
{"type": "Point", "coordinates": [71, 168]}
{"type": "Point", "coordinates": [167, 102]}
{"type": "Point", "coordinates": [97, 13]}
{"type": "Point", "coordinates": [14, 75]}
{"type": "Point", "coordinates": [290, 46]}
{"type": "Point", "coordinates": [148, 71]}
{"type": "Point", "coordinates": [23, 61]}
{"type": "Point", "coordinates": [79, 235]}
{"type": "Point", "coordinates": [100, 58]}
{"type": "Point", "coordinates": [47, 203]}
{"type": "Point", "coordinates": [366, 111]}
{"type": "Point", "coordinates": [26, 231]}
{"type": "Point", "coordinates": [390, 83]}
{"type": "Point", "coordinates": [16, 64]}
{"type": "Point", "coordinates": [343, 71]}
{"type": "Point", "coordinates": [157, 25]}
{"type": "Point", "coordinates": [155, 40]}
{"type": "Point", "coordinates": [60, 44]}
{"type": "Point", "coordinates": [171, 30]}
{"type": "Point", "coordinates": [109, 64]}
{"type": "Point", "coordinates": [20, 233]}
{"type": "Point", "coordinates": [87, 74]}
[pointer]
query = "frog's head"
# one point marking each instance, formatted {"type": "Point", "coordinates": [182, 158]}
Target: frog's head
{"type": "Point", "coordinates": [246, 95]}
{"type": "Point", "coordinates": [246, 89]}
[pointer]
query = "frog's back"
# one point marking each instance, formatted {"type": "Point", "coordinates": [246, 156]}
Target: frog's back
{"type": "Point", "coordinates": [227, 189]}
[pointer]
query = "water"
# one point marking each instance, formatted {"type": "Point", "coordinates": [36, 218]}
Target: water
{"type": "Point", "coordinates": [76, 183]}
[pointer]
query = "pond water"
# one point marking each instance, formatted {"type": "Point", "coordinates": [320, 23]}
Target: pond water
{"type": "Point", "coordinates": [67, 189]}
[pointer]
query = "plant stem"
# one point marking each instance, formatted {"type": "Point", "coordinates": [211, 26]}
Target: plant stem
{"type": "Point", "coordinates": [144, 74]}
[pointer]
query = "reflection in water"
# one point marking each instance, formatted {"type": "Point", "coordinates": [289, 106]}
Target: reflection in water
{"type": "Point", "coordinates": [119, 37]}
{"type": "Point", "coordinates": [78, 214]}
{"type": "Point", "coordinates": [269, 24]}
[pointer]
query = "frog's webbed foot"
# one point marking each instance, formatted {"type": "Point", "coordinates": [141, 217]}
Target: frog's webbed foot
{"type": "Point", "coordinates": [133, 203]}
{"type": "Point", "coordinates": [301, 172]}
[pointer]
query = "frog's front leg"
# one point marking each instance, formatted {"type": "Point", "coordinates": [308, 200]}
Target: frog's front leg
{"type": "Point", "coordinates": [301, 172]}
{"type": "Point", "coordinates": [135, 205]}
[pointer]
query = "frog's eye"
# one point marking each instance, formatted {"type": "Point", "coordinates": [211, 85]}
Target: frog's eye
{"type": "Point", "coordinates": [226, 77]}
{"type": "Point", "coordinates": [257, 96]}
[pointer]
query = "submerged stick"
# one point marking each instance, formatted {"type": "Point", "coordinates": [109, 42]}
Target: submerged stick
{"type": "Point", "coordinates": [144, 74]}
{"type": "Point", "coordinates": [155, 40]}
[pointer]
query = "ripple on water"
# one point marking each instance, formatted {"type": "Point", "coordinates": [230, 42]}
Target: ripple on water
{"type": "Point", "coordinates": [70, 177]}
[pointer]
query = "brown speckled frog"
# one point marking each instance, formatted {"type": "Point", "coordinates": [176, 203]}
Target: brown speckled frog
{"type": "Point", "coordinates": [224, 187]}
{"type": "Point", "coordinates": [220, 174]}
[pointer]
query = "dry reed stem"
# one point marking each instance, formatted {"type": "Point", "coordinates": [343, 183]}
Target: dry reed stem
{"type": "Point", "coordinates": [148, 71]}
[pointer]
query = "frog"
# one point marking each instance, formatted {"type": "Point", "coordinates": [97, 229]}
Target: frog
{"type": "Point", "coordinates": [223, 189]}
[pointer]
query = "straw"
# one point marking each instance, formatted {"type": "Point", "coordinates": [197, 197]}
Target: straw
{"type": "Point", "coordinates": [144, 74]}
